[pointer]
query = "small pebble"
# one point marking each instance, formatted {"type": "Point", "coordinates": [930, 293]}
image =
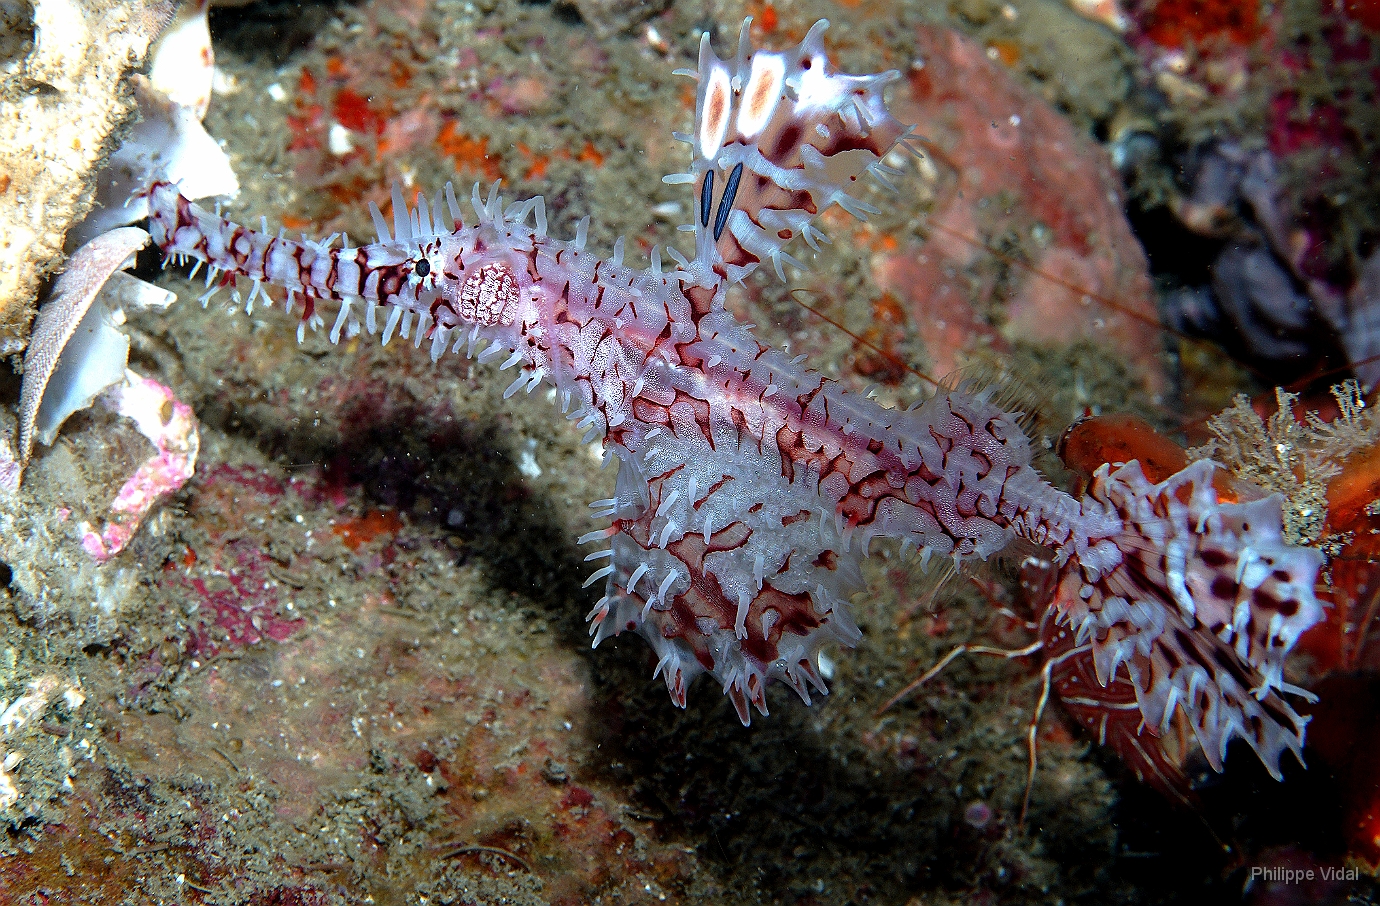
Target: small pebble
{"type": "Point", "coordinates": [978, 814]}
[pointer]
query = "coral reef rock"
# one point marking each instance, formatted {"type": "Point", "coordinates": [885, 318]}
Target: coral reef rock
{"type": "Point", "coordinates": [63, 101]}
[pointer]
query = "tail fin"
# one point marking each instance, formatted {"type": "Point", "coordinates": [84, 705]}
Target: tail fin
{"type": "Point", "coordinates": [778, 138]}
{"type": "Point", "coordinates": [1202, 608]}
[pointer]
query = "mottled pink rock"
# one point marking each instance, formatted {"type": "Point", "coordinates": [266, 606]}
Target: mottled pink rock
{"type": "Point", "coordinates": [1011, 170]}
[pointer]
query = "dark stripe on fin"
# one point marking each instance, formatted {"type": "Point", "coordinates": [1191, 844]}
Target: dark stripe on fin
{"type": "Point", "coordinates": [707, 197]}
{"type": "Point", "coordinates": [726, 203]}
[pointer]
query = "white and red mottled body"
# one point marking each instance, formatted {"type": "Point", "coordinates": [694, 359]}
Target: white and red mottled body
{"type": "Point", "coordinates": [748, 485]}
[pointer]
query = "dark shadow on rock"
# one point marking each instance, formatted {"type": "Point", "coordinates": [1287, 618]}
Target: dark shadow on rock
{"type": "Point", "coordinates": [272, 30]}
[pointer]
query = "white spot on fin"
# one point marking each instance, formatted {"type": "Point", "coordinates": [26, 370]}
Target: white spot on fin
{"type": "Point", "coordinates": [714, 114]}
{"type": "Point", "coordinates": [762, 94]}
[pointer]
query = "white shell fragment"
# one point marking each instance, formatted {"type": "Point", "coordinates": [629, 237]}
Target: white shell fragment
{"type": "Point", "coordinates": [168, 143]}
{"type": "Point", "coordinates": [75, 351]}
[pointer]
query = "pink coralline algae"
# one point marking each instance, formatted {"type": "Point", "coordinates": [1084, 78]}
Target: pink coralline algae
{"type": "Point", "coordinates": [749, 487]}
{"type": "Point", "coordinates": [244, 603]}
{"type": "Point", "coordinates": [171, 427]}
{"type": "Point", "coordinates": [242, 613]}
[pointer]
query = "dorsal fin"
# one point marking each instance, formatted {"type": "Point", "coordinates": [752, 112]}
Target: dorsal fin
{"type": "Point", "coordinates": [778, 138]}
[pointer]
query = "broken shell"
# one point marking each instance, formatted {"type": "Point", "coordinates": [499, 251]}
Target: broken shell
{"type": "Point", "coordinates": [171, 427]}
{"type": "Point", "coordinates": [98, 358]}
{"type": "Point", "coordinates": [168, 144]}
{"type": "Point", "coordinates": [182, 63]}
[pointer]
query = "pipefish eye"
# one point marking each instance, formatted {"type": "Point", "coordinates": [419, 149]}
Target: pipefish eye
{"type": "Point", "coordinates": [422, 268]}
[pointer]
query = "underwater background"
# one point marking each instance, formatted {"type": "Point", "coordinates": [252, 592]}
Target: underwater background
{"type": "Point", "coordinates": [337, 652]}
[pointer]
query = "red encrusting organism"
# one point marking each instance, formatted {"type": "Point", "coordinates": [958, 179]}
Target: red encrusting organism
{"type": "Point", "coordinates": [1178, 23]}
{"type": "Point", "coordinates": [1345, 659]}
